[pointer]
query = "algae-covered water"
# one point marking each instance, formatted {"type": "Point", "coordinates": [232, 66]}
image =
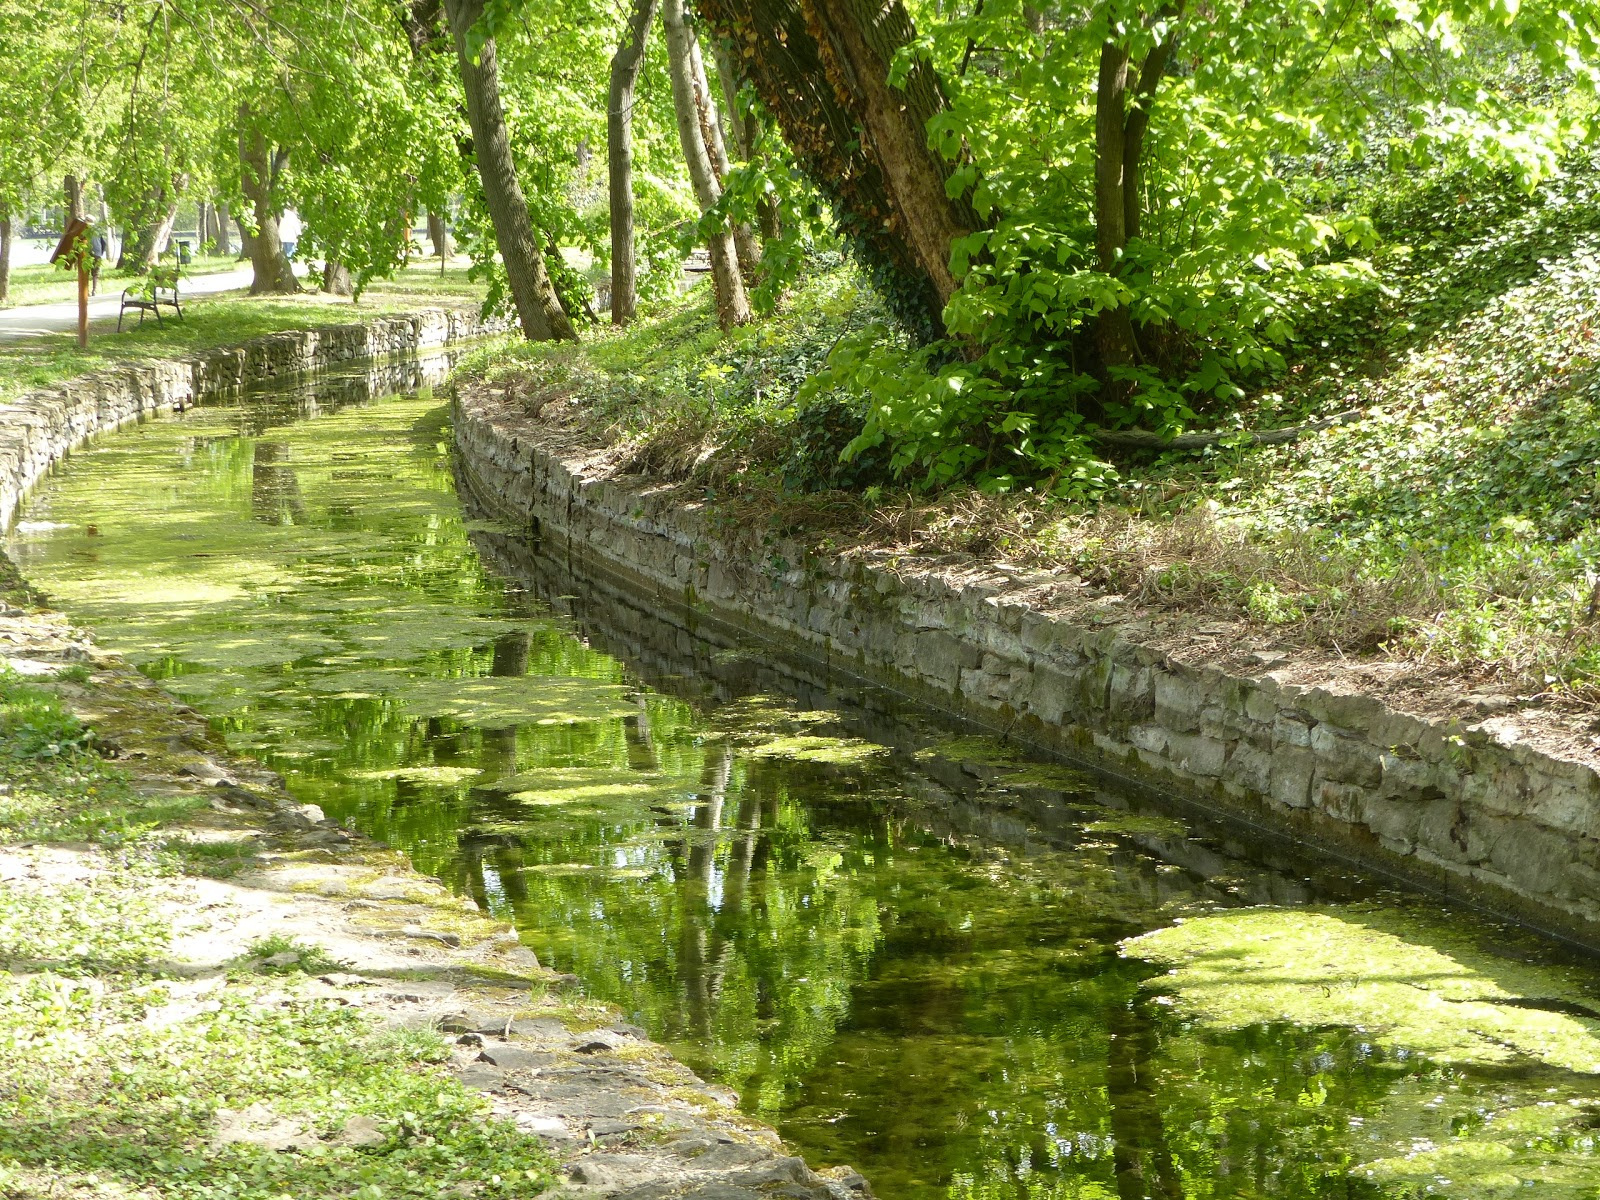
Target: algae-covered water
{"type": "Point", "coordinates": [966, 974]}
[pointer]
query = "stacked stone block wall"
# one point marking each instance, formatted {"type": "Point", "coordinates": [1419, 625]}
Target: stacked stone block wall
{"type": "Point", "coordinates": [39, 429]}
{"type": "Point", "coordinates": [1466, 810]}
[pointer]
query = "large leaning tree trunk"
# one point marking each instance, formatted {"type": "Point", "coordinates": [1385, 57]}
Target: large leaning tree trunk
{"type": "Point", "coordinates": [260, 167]}
{"type": "Point", "coordinates": [625, 65]}
{"type": "Point", "coordinates": [538, 308]}
{"type": "Point", "coordinates": [1124, 93]}
{"type": "Point", "coordinates": [5, 253]}
{"type": "Point", "coordinates": [821, 67]}
{"type": "Point", "coordinates": [733, 306]}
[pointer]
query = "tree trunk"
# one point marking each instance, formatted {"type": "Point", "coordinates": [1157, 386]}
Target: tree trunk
{"type": "Point", "coordinates": [336, 279]}
{"type": "Point", "coordinates": [1119, 152]}
{"type": "Point", "coordinates": [625, 66]}
{"type": "Point", "coordinates": [744, 241]}
{"type": "Point", "coordinates": [74, 190]}
{"type": "Point", "coordinates": [538, 308]}
{"type": "Point", "coordinates": [733, 306]}
{"type": "Point", "coordinates": [741, 124]}
{"type": "Point", "coordinates": [859, 40]}
{"type": "Point", "coordinates": [154, 237]}
{"type": "Point", "coordinates": [5, 254]}
{"type": "Point", "coordinates": [271, 270]}
{"type": "Point", "coordinates": [443, 244]}
{"type": "Point", "coordinates": [882, 181]}
{"type": "Point", "coordinates": [222, 219]}
{"type": "Point", "coordinates": [746, 128]}
{"type": "Point", "coordinates": [1138, 122]}
{"type": "Point", "coordinates": [202, 226]}
{"type": "Point", "coordinates": [157, 234]}
{"type": "Point", "coordinates": [1114, 327]}
{"type": "Point", "coordinates": [247, 241]}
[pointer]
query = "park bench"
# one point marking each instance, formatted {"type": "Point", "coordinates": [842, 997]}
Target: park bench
{"type": "Point", "coordinates": [150, 294]}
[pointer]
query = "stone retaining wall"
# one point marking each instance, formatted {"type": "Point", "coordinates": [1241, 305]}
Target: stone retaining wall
{"type": "Point", "coordinates": [1461, 809]}
{"type": "Point", "coordinates": [37, 430]}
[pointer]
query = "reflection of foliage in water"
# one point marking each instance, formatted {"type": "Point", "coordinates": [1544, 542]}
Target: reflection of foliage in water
{"type": "Point", "coordinates": [912, 964]}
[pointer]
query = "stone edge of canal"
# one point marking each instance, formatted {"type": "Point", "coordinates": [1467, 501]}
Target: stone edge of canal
{"type": "Point", "coordinates": [1466, 811]}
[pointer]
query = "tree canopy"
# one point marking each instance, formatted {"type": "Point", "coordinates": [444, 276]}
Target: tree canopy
{"type": "Point", "coordinates": [1086, 217]}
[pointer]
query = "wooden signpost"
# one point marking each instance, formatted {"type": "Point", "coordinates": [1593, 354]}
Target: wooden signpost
{"type": "Point", "coordinates": [74, 247]}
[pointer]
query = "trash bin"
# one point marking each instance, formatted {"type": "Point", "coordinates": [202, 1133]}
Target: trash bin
{"type": "Point", "coordinates": [183, 254]}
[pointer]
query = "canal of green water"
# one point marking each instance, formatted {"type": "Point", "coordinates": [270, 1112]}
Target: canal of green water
{"type": "Point", "coordinates": [909, 948]}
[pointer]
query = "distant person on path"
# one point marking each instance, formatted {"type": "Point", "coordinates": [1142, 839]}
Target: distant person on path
{"type": "Point", "coordinates": [97, 255]}
{"type": "Point", "coordinates": [289, 232]}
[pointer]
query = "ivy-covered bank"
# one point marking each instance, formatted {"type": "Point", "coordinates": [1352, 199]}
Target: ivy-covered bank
{"type": "Point", "coordinates": [1430, 510]}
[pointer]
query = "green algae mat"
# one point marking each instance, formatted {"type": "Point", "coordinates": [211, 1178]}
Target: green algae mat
{"type": "Point", "coordinates": [970, 975]}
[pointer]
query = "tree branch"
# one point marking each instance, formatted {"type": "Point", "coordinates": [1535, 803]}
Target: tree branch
{"type": "Point", "coordinates": [1142, 439]}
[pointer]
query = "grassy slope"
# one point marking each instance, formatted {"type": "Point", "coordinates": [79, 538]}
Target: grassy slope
{"type": "Point", "coordinates": [1457, 522]}
{"type": "Point", "coordinates": [222, 320]}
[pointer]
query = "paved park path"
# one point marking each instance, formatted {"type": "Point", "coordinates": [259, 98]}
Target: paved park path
{"type": "Point", "coordinates": [30, 320]}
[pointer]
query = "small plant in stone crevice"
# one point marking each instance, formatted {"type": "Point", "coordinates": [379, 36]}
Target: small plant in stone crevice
{"type": "Point", "coordinates": [280, 954]}
{"type": "Point", "coordinates": [34, 723]}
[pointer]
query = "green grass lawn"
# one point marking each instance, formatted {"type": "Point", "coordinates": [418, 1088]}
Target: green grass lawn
{"type": "Point", "coordinates": [223, 320]}
{"type": "Point", "coordinates": [48, 284]}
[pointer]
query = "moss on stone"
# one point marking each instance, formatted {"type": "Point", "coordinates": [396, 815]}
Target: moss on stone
{"type": "Point", "coordinates": [978, 749]}
{"type": "Point", "coordinates": [488, 700]}
{"type": "Point", "coordinates": [440, 776]}
{"type": "Point", "coordinates": [1114, 821]}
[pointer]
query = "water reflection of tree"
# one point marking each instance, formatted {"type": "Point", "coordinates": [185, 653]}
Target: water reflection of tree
{"type": "Point", "coordinates": [274, 490]}
{"type": "Point", "coordinates": [1141, 1157]}
{"type": "Point", "coordinates": [701, 953]}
